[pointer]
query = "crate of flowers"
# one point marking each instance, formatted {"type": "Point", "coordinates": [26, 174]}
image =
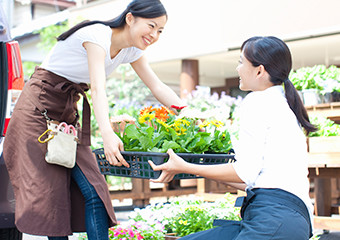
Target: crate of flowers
{"type": "Point", "coordinates": [158, 129]}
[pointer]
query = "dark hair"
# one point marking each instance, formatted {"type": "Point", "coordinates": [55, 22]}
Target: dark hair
{"type": "Point", "coordinates": [138, 8]}
{"type": "Point", "coordinates": [276, 58]}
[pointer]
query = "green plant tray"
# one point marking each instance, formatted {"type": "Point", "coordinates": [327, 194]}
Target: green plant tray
{"type": "Point", "coordinates": [140, 168]}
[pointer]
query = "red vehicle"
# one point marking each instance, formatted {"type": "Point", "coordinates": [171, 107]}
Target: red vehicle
{"type": "Point", "coordinates": [11, 84]}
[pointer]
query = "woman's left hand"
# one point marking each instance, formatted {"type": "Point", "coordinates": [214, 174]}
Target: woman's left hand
{"type": "Point", "coordinates": [173, 166]}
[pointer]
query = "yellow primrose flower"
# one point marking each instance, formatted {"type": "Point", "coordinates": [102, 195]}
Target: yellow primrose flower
{"type": "Point", "coordinates": [205, 123]}
{"type": "Point", "coordinates": [185, 122]}
{"type": "Point", "coordinates": [177, 123]}
{"type": "Point", "coordinates": [183, 131]}
{"type": "Point", "coordinates": [183, 222]}
{"type": "Point", "coordinates": [217, 123]}
{"type": "Point", "coordinates": [162, 123]}
{"type": "Point", "coordinates": [147, 117]}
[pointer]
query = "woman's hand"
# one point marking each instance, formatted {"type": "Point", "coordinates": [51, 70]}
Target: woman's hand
{"type": "Point", "coordinates": [112, 148]}
{"type": "Point", "coordinates": [173, 166]}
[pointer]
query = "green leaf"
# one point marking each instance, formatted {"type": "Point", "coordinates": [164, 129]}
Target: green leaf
{"type": "Point", "coordinates": [132, 132]}
{"type": "Point", "coordinates": [170, 144]}
{"type": "Point", "coordinates": [146, 143]}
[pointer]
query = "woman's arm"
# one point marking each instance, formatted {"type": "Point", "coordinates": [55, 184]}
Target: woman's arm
{"type": "Point", "coordinates": [112, 144]}
{"type": "Point", "coordinates": [239, 186]}
{"type": "Point", "coordinates": [175, 164]}
{"type": "Point", "coordinates": [163, 93]}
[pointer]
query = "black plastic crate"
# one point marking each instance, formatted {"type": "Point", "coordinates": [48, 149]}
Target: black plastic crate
{"type": "Point", "coordinates": [140, 168]}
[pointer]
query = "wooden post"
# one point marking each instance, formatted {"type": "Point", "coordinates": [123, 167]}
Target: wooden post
{"type": "Point", "coordinates": [323, 196]}
{"type": "Point", "coordinates": [189, 77]}
{"type": "Point", "coordinates": [140, 188]}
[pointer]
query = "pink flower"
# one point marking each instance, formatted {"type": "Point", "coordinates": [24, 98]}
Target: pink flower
{"type": "Point", "coordinates": [139, 237]}
{"type": "Point", "coordinates": [131, 232]}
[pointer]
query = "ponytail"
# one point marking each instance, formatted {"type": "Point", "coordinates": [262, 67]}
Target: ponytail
{"type": "Point", "coordinates": [295, 103]}
{"type": "Point", "coordinates": [275, 56]}
{"type": "Point", "coordinates": [138, 8]}
{"type": "Point", "coordinates": [68, 33]}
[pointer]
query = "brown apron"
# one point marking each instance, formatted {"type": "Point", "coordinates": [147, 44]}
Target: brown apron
{"type": "Point", "coordinates": [48, 201]}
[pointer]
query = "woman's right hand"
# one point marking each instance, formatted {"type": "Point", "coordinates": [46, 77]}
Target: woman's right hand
{"type": "Point", "coordinates": [112, 148]}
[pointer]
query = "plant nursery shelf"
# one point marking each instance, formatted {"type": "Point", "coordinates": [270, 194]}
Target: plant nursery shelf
{"type": "Point", "coordinates": [329, 223]}
{"type": "Point", "coordinates": [328, 110]}
{"type": "Point", "coordinates": [126, 194]}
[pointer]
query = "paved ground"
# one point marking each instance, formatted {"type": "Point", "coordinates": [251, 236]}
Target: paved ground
{"type": "Point", "coordinates": [121, 216]}
{"type": "Point", "coordinates": [31, 237]}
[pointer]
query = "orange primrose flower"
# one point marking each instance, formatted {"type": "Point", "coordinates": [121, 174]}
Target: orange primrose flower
{"type": "Point", "coordinates": [162, 113]}
{"type": "Point", "coordinates": [146, 110]}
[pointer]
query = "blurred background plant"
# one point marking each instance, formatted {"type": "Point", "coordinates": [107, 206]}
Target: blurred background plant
{"type": "Point", "coordinates": [48, 38]}
{"type": "Point", "coordinates": [319, 77]}
{"type": "Point", "coordinates": [205, 105]}
{"type": "Point", "coordinates": [326, 127]}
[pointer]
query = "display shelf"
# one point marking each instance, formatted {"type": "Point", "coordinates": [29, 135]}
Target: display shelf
{"type": "Point", "coordinates": [328, 110]}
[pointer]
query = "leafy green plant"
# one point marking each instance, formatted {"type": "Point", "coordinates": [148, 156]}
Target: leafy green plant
{"type": "Point", "coordinates": [317, 77]}
{"type": "Point", "coordinates": [158, 129]}
{"type": "Point", "coordinates": [184, 216]}
{"type": "Point", "coordinates": [326, 127]}
{"type": "Point", "coordinates": [193, 219]}
{"type": "Point", "coordinates": [48, 35]}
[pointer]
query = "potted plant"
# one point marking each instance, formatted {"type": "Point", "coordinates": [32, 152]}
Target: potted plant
{"type": "Point", "coordinates": [156, 130]}
{"type": "Point", "coordinates": [317, 84]}
{"type": "Point", "coordinates": [326, 139]}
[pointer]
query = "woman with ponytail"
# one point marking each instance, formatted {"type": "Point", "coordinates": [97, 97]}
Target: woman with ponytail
{"type": "Point", "coordinates": [52, 200]}
{"type": "Point", "coordinates": [271, 152]}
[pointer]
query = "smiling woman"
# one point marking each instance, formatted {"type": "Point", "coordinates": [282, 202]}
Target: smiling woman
{"type": "Point", "coordinates": [82, 58]}
{"type": "Point", "coordinates": [271, 127]}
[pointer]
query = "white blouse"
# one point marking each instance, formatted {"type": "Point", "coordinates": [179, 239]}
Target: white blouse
{"type": "Point", "coordinates": [271, 151]}
{"type": "Point", "coordinates": [68, 58]}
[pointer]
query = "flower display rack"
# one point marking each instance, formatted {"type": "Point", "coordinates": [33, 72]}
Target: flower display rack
{"type": "Point", "coordinates": [140, 168]}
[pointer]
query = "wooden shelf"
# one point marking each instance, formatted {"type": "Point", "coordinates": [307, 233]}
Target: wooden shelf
{"type": "Point", "coordinates": [327, 160]}
{"type": "Point", "coordinates": [328, 110]}
{"type": "Point", "coordinates": [329, 223]}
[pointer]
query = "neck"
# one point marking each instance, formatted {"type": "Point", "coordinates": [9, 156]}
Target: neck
{"type": "Point", "coordinates": [119, 40]}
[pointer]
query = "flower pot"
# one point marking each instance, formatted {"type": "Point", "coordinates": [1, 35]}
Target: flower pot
{"type": "Point", "coordinates": [311, 97]}
{"type": "Point", "coordinates": [327, 97]}
{"type": "Point", "coordinates": [171, 236]}
{"type": "Point", "coordinates": [335, 96]}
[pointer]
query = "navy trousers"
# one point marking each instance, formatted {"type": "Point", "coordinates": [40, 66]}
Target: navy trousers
{"type": "Point", "coordinates": [266, 214]}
